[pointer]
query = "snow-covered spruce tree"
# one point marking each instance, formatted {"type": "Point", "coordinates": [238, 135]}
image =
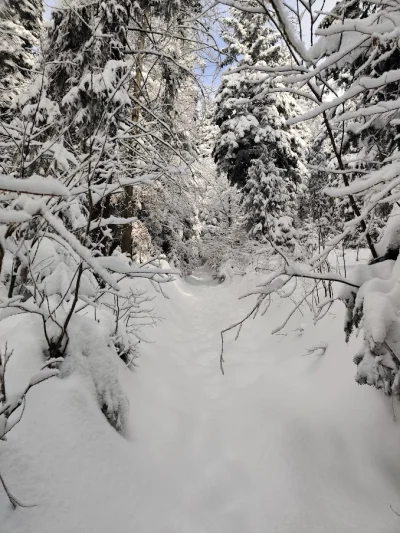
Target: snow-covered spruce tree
{"type": "Point", "coordinates": [20, 28]}
{"type": "Point", "coordinates": [312, 84]}
{"type": "Point", "coordinates": [255, 148]}
{"type": "Point", "coordinates": [103, 81]}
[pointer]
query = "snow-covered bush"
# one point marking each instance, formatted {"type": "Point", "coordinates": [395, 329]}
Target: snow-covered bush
{"type": "Point", "coordinates": [221, 221]}
{"type": "Point", "coordinates": [372, 305]}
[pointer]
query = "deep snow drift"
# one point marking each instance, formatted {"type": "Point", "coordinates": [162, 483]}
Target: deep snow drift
{"type": "Point", "coordinates": [283, 443]}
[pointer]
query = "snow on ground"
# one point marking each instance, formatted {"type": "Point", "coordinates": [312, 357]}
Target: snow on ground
{"type": "Point", "coordinates": [283, 443]}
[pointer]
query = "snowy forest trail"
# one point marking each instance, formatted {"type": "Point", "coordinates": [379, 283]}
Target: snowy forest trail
{"type": "Point", "coordinates": [280, 444]}
{"type": "Point", "coordinates": [267, 447]}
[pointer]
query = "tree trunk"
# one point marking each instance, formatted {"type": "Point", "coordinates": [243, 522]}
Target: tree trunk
{"type": "Point", "coordinates": [126, 239]}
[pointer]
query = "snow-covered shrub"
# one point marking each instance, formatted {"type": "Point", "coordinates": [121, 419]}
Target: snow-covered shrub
{"type": "Point", "coordinates": [373, 306]}
{"type": "Point", "coordinates": [165, 225]}
{"type": "Point", "coordinates": [284, 234]}
{"type": "Point", "coordinates": [221, 222]}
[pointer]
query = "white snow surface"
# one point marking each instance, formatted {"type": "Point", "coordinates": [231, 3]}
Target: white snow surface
{"type": "Point", "coordinates": [283, 443]}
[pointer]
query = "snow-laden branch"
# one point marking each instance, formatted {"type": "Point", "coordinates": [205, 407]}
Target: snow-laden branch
{"type": "Point", "coordinates": [385, 174]}
{"type": "Point", "coordinates": [365, 84]}
{"type": "Point", "coordinates": [34, 185]}
{"type": "Point", "coordinates": [81, 250]}
{"type": "Point", "coordinates": [110, 221]}
{"type": "Point", "coordinates": [11, 216]}
{"type": "Point", "coordinates": [296, 271]}
{"type": "Point", "coordinates": [119, 267]}
{"type": "Point", "coordinates": [373, 110]}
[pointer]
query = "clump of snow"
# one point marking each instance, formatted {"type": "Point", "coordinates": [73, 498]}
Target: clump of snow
{"type": "Point", "coordinates": [63, 280]}
{"type": "Point", "coordinates": [390, 239]}
{"type": "Point", "coordinates": [92, 355]}
{"type": "Point", "coordinates": [35, 184]}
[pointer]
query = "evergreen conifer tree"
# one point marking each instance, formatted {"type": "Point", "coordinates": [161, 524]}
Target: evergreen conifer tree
{"type": "Point", "coordinates": [20, 27]}
{"type": "Point", "coordinates": [255, 148]}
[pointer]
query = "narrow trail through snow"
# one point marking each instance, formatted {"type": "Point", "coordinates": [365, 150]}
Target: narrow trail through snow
{"type": "Point", "coordinates": [280, 444]}
{"type": "Point", "coordinates": [251, 451]}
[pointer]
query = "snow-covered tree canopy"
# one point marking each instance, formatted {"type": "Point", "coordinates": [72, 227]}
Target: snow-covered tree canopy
{"type": "Point", "coordinates": [20, 28]}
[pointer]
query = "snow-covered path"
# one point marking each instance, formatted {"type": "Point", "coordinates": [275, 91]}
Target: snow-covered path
{"type": "Point", "coordinates": [280, 444]}
{"type": "Point", "coordinates": [260, 449]}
